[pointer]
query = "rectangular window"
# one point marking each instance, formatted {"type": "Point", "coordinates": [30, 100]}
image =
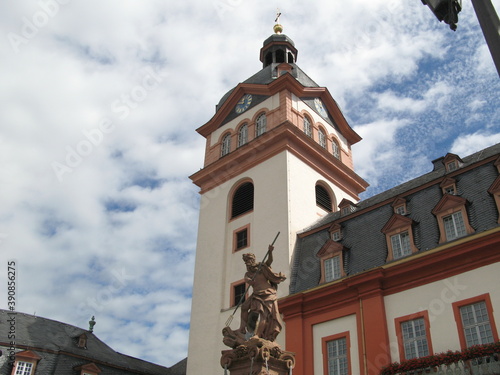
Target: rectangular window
{"type": "Point", "coordinates": [337, 357]}
{"type": "Point", "coordinates": [400, 210]}
{"type": "Point", "coordinates": [239, 293]}
{"type": "Point", "coordinates": [400, 245]}
{"type": "Point", "coordinates": [454, 226]}
{"type": "Point", "coordinates": [336, 236]}
{"type": "Point", "coordinates": [24, 368]}
{"type": "Point", "coordinates": [332, 268]}
{"type": "Point", "coordinates": [476, 324]}
{"type": "Point", "coordinates": [449, 190]}
{"type": "Point", "coordinates": [414, 338]}
{"type": "Point", "coordinates": [241, 239]}
{"type": "Point", "coordinates": [451, 166]}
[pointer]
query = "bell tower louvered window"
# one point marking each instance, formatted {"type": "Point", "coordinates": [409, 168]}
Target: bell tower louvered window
{"type": "Point", "coordinates": [242, 200]}
{"type": "Point", "coordinates": [323, 198]}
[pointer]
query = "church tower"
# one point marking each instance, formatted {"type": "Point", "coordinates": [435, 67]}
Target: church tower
{"type": "Point", "coordinates": [278, 158]}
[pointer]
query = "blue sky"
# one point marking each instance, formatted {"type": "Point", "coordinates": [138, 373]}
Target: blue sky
{"type": "Point", "coordinates": [100, 102]}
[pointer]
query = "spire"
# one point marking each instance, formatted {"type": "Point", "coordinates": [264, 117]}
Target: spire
{"type": "Point", "coordinates": [92, 324]}
{"type": "Point", "coordinates": [278, 48]}
{"type": "Point", "coordinates": [278, 29]}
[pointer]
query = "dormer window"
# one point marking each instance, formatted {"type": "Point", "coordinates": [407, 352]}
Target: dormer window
{"type": "Point", "coordinates": [346, 207]}
{"type": "Point", "coordinates": [88, 369]}
{"type": "Point", "coordinates": [399, 206]}
{"type": "Point", "coordinates": [335, 232]}
{"type": "Point", "coordinates": [24, 368]}
{"type": "Point", "coordinates": [452, 162]}
{"type": "Point", "coordinates": [448, 186]}
{"type": "Point", "coordinates": [25, 363]}
{"type": "Point", "coordinates": [332, 261]}
{"type": "Point", "coordinates": [82, 341]}
{"type": "Point", "coordinates": [399, 237]}
{"type": "Point", "coordinates": [452, 218]}
{"type": "Point", "coordinates": [452, 166]}
{"type": "Point", "coordinates": [495, 191]}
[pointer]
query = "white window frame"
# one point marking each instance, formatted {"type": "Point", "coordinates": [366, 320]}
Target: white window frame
{"type": "Point", "coordinates": [260, 125]}
{"type": "Point", "coordinates": [307, 127]}
{"type": "Point", "coordinates": [243, 135]}
{"type": "Point", "coordinates": [225, 147]}
{"type": "Point", "coordinates": [322, 138]}
{"type": "Point", "coordinates": [401, 245]}
{"type": "Point", "coordinates": [24, 368]}
{"type": "Point", "coordinates": [414, 336]}
{"type": "Point", "coordinates": [336, 351]}
{"type": "Point", "coordinates": [454, 226]}
{"type": "Point", "coordinates": [333, 269]}
{"type": "Point", "coordinates": [336, 149]}
{"type": "Point", "coordinates": [478, 331]}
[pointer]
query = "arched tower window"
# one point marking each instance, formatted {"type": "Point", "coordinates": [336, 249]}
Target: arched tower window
{"type": "Point", "coordinates": [261, 125]}
{"type": "Point", "coordinates": [322, 138]}
{"type": "Point", "coordinates": [336, 149]}
{"type": "Point", "coordinates": [243, 135]}
{"type": "Point", "coordinates": [323, 198]}
{"type": "Point", "coordinates": [225, 147]}
{"type": "Point", "coordinates": [307, 126]}
{"type": "Point", "coordinates": [280, 56]}
{"type": "Point", "coordinates": [242, 200]}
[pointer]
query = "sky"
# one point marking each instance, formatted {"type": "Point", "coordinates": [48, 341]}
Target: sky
{"type": "Point", "coordinates": [99, 103]}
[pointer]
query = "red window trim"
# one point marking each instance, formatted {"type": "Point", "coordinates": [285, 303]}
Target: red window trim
{"type": "Point", "coordinates": [337, 336]}
{"type": "Point", "coordinates": [399, 334]}
{"type": "Point", "coordinates": [458, 319]}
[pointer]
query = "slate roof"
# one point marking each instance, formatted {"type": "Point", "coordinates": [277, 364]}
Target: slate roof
{"type": "Point", "coordinates": [361, 230]}
{"type": "Point", "coordinates": [265, 77]}
{"type": "Point", "coordinates": [56, 344]}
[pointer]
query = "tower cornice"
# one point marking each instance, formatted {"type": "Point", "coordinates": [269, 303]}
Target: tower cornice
{"type": "Point", "coordinates": [285, 137]}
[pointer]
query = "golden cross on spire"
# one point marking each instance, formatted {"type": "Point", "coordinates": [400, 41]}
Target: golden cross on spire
{"type": "Point", "coordinates": [277, 27]}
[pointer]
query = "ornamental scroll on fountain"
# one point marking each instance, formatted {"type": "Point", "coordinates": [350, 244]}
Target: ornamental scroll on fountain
{"type": "Point", "coordinates": [254, 350]}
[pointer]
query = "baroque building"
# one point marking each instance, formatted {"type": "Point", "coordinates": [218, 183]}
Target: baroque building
{"type": "Point", "coordinates": [404, 274]}
{"type": "Point", "coordinates": [32, 345]}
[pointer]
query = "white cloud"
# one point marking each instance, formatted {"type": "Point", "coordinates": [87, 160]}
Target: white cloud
{"type": "Point", "coordinates": [470, 143]}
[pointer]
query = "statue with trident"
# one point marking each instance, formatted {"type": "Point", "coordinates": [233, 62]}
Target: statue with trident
{"type": "Point", "coordinates": [253, 344]}
{"type": "Point", "coordinates": [260, 316]}
{"type": "Point", "coordinates": [259, 313]}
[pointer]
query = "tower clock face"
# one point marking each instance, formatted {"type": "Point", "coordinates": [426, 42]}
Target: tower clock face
{"type": "Point", "coordinates": [243, 104]}
{"type": "Point", "coordinates": [320, 107]}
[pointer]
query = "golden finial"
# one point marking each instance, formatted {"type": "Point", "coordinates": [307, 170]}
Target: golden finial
{"type": "Point", "coordinates": [278, 29]}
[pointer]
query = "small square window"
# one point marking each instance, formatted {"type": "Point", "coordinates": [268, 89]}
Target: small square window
{"type": "Point", "coordinates": [336, 236]}
{"type": "Point", "coordinates": [242, 239]}
{"type": "Point", "coordinates": [400, 210]}
{"type": "Point", "coordinates": [449, 190]}
{"type": "Point", "coordinates": [24, 368]}
{"type": "Point", "coordinates": [452, 165]}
